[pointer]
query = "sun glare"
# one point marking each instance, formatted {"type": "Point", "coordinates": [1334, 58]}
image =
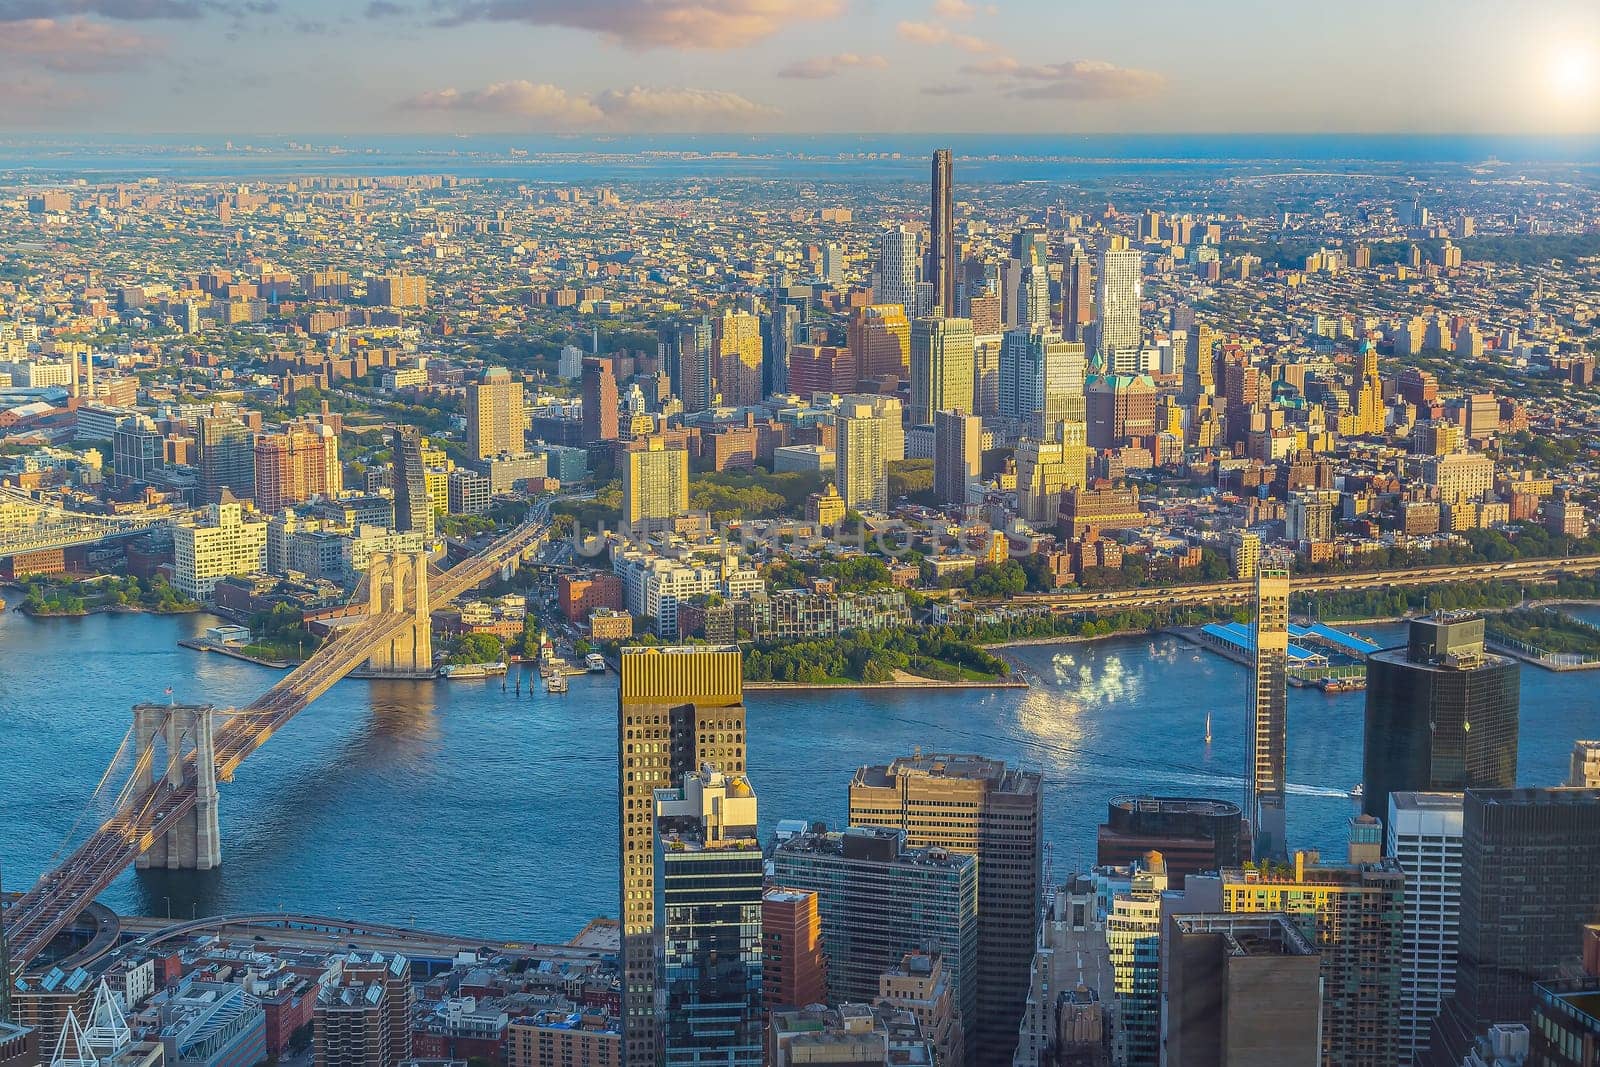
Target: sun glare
{"type": "Point", "coordinates": [1571, 74]}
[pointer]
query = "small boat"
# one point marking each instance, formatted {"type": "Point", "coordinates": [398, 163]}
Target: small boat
{"type": "Point", "coordinates": [556, 683]}
{"type": "Point", "coordinates": [595, 663]}
{"type": "Point", "coordinates": [1358, 792]}
{"type": "Point", "coordinates": [1208, 727]}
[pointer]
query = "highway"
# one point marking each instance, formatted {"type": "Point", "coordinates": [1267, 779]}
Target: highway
{"type": "Point", "coordinates": [1239, 592]}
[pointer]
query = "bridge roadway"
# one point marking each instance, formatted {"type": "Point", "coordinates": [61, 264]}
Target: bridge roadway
{"type": "Point", "coordinates": [68, 529]}
{"type": "Point", "coordinates": [59, 895]}
{"type": "Point", "coordinates": [1229, 592]}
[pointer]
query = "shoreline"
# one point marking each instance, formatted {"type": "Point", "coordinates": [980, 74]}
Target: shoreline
{"type": "Point", "coordinates": [201, 646]}
{"type": "Point", "coordinates": [106, 609]}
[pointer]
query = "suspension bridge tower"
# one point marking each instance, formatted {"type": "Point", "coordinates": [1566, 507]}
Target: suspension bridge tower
{"type": "Point", "coordinates": [397, 583]}
{"type": "Point", "coordinates": [180, 739]}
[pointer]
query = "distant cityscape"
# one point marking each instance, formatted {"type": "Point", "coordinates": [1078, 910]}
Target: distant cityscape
{"type": "Point", "coordinates": [717, 437]}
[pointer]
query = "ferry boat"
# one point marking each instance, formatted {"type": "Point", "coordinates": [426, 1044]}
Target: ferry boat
{"type": "Point", "coordinates": [595, 663]}
{"type": "Point", "coordinates": [556, 683]}
{"type": "Point", "coordinates": [458, 671]}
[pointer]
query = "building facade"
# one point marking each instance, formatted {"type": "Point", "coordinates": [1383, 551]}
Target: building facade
{"type": "Point", "coordinates": [980, 807]}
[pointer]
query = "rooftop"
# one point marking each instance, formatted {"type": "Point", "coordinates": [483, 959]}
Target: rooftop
{"type": "Point", "coordinates": [965, 766]}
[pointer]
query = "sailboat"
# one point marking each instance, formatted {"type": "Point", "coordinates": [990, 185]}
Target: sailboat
{"type": "Point", "coordinates": [1208, 727]}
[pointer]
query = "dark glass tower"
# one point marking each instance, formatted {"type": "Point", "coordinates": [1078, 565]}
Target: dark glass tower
{"type": "Point", "coordinates": [227, 459]}
{"type": "Point", "coordinates": [412, 508]}
{"type": "Point", "coordinates": [1530, 880]}
{"type": "Point", "coordinates": [1441, 714]}
{"type": "Point", "coordinates": [942, 235]}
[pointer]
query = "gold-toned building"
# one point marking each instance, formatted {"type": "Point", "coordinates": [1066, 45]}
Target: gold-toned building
{"type": "Point", "coordinates": [655, 482]}
{"type": "Point", "coordinates": [677, 708]}
{"type": "Point", "coordinates": [495, 418]}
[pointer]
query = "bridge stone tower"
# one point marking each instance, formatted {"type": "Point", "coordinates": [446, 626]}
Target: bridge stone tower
{"type": "Point", "coordinates": [397, 582]}
{"type": "Point", "coordinates": [165, 733]}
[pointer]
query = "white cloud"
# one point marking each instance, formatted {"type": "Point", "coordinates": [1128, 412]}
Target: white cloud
{"type": "Point", "coordinates": [1074, 79]}
{"type": "Point", "coordinates": [712, 24]}
{"type": "Point", "coordinates": [828, 66]}
{"type": "Point", "coordinates": [545, 106]}
{"type": "Point", "coordinates": [933, 34]}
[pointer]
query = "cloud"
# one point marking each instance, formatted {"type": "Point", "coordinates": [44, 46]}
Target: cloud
{"type": "Point", "coordinates": [1075, 79]}
{"type": "Point", "coordinates": [128, 10]}
{"type": "Point", "coordinates": [712, 24]}
{"type": "Point", "coordinates": [634, 108]}
{"type": "Point", "coordinates": [382, 9]}
{"type": "Point", "coordinates": [27, 99]}
{"type": "Point", "coordinates": [933, 34]}
{"type": "Point", "coordinates": [74, 46]}
{"type": "Point", "coordinates": [523, 99]}
{"type": "Point", "coordinates": [962, 9]}
{"type": "Point", "coordinates": [828, 66]}
{"type": "Point", "coordinates": [681, 109]}
{"type": "Point", "coordinates": [946, 89]}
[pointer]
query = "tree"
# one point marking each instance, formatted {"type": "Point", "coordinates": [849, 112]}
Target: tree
{"type": "Point", "coordinates": [478, 648]}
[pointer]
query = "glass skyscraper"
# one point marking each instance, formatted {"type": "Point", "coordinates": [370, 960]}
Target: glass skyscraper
{"type": "Point", "coordinates": [708, 887]}
{"type": "Point", "coordinates": [1441, 714]}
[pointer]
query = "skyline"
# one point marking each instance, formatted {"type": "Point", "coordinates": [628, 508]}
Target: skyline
{"type": "Point", "coordinates": [784, 67]}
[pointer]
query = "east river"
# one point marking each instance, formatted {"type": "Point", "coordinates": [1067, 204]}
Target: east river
{"type": "Point", "coordinates": [459, 807]}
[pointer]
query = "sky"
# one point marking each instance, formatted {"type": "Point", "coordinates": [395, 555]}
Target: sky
{"type": "Point", "coordinates": [800, 66]}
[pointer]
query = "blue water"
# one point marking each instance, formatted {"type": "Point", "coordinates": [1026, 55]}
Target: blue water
{"type": "Point", "coordinates": [840, 157]}
{"type": "Point", "coordinates": [465, 809]}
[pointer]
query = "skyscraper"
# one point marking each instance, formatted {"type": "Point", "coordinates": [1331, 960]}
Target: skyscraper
{"type": "Point", "coordinates": [739, 358]}
{"type": "Point", "coordinates": [1352, 913]}
{"type": "Point", "coordinates": [708, 871]}
{"type": "Point", "coordinates": [896, 281]}
{"type": "Point", "coordinates": [1530, 880]}
{"type": "Point", "coordinates": [600, 400]}
{"type": "Point", "coordinates": [1423, 834]}
{"type": "Point", "coordinates": [495, 419]}
{"type": "Point", "coordinates": [1117, 301]}
{"type": "Point", "coordinates": [1077, 294]}
{"type": "Point", "coordinates": [1133, 941]}
{"type": "Point", "coordinates": [1239, 990]}
{"type": "Point", "coordinates": [413, 510]}
{"type": "Point", "coordinates": [979, 806]}
{"type": "Point", "coordinates": [1441, 713]}
{"type": "Point", "coordinates": [677, 709]}
{"type": "Point", "coordinates": [863, 452]}
{"type": "Point", "coordinates": [941, 367]}
{"type": "Point", "coordinates": [296, 465]}
{"type": "Point", "coordinates": [880, 340]}
{"type": "Point", "coordinates": [942, 235]}
{"type": "Point", "coordinates": [1199, 367]}
{"type": "Point", "coordinates": [879, 899]}
{"type": "Point", "coordinates": [1042, 382]}
{"type": "Point", "coordinates": [227, 459]}
{"type": "Point", "coordinates": [689, 363]}
{"type": "Point", "coordinates": [1265, 784]}
{"type": "Point", "coordinates": [957, 455]}
{"type": "Point", "coordinates": [1368, 393]}
{"type": "Point", "coordinates": [655, 483]}
{"type": "Point", "coordinates": [1033, 312]}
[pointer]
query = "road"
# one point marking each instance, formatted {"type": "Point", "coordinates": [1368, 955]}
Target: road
{"type": "Point", "coordinates": [1238, 592]}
